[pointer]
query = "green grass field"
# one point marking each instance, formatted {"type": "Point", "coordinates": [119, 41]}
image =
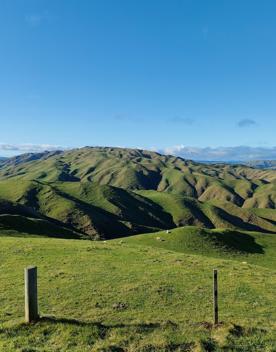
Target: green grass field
{"type": "Point", "coordinates": [252, 247]}
{"type": "Point", "coordinates": [145, 288]}
{"type": "Point", "coordinates": [141, 293]}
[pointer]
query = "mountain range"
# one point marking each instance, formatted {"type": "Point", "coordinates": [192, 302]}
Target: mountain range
{"type": "Point", "coordinates": [257, 164]}
{"type": "Point", "coordinates": [263, 164]}
{"type": "Point", "coordinates": [104, 192]}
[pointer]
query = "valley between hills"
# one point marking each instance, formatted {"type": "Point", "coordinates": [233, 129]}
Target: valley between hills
{"type": "Point", "coordinates": [126, 241]}
{"type": "Point", "coordinates": [105, 193]}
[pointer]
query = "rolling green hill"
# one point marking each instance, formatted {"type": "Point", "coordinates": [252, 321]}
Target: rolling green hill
{"type": "Point", "coordinates": [113, 192]}
{"type": "Point", "coordinates": [243, 246]}
{"type": "Point", "coordinates": [21, 221]}
{"type": "Point", "coordinates": [145, 293]}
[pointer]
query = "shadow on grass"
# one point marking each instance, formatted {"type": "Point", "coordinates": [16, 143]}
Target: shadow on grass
{"type": "Point", "coordinates": [97, 330]}
{"type": "Point", "coordinates": [69, 321]}
{"type": "Point", "coordinates": [72, 332]}
{"type": "Point", "coordinates": [101, 331]}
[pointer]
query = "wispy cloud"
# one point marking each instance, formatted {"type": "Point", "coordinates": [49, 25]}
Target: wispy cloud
{"type": "Point", "coordinates": [205, 31]}
{"type": "Point", "coordinates": [121, 117]}
{"type": "Point", "coordinates": [29, 148]}
{"type": "Point", "coordinates": [181, 120]}
{"type": "Point", "coordinates": [35, 19]}
{"type": "Point", "coordinates": [127, 118]}
{"type": "Point", "coordinates": [239, 153]}
{"type": "Point", "coordinates": [246, 123]}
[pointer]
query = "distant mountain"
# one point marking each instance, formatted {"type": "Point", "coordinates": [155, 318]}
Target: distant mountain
{"type": "Point", "coordinates": [263, 164]}
{"type": "Point", "coordinates": [257, 164]}
{"type": "Point", "coordinates": [111, 192]}
{"type": "Point", "coordinates": [228, 162]}
{"type": "Point", "coordinates": [24, 158]}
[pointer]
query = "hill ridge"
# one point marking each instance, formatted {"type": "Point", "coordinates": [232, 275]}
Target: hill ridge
{"type": "Point", "coordinates": [106, 192]}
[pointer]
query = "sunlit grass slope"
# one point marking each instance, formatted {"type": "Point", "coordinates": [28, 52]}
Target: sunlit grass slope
{"type": "Point", "coordinates": [134, 169]}
{"type": "Point", "coordinates": [252, 247]}
{"type": "Point", "coordinates": [210, 214]}
{"type": "Point", "coordinates": [104, 212]}
{"type": "Point", "coordinates": [134, 296]}
{"type": "Point", "coordinates": [104, 193]}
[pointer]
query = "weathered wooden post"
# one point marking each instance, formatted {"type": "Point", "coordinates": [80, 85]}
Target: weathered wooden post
{"type": "Point", "coordinates": [31, 305]}
{"type": "Point", "coordinates": [216, 319]}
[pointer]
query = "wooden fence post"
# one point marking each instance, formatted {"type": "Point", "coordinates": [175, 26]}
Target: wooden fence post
{"type": "Point", "coordinates": [31, 305]}
{"type": "Point", "coordinates": [216, 318]}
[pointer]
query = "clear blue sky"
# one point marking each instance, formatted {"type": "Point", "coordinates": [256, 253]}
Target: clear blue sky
{"type": "Point", "coordinates": [138, 73]}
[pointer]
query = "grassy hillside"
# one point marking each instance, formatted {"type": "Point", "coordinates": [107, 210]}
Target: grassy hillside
{"type": "Point", "coordinates": [243, 246]}
{"type": "Point", "coordinates": [94, 210]}
{"type": "Point", "coordinates": [144, 293]}
{"type": "Point", "coordinates": [134, 295]}
{"type": "Point", "coordinates": [138, 169]}
{"type": "Point", "coordinates": [111, 192]}
{"type": "Point", "coordinates": [22, 226]}
{"type": "Point", "coordinates": [212, 214]}
{"type": "Point", "coordinates": [101, 211]}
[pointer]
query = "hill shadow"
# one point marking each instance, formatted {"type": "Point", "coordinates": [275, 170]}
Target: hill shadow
{"type": "Point", "coordinates": [130, 205]}
{"type": "Point", "coordinates": [238, 222]}
{"type": "Point", "coordinates": [272, 222]}
{"type": "Point", "coordinates": [238, 241]}
{"type": "Point", "coordinates": [25, 226]}
{"type": "Point", "coordinates": [198, 214]}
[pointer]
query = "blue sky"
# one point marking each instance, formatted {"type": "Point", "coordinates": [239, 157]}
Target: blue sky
{"type": "Point", "coordinates": [162, 74]}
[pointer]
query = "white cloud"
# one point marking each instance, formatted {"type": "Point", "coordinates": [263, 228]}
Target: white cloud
{"type": "Point", "coordinates": [29, 148]}
{"type": "Point", "coordinates": [239, 153]}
